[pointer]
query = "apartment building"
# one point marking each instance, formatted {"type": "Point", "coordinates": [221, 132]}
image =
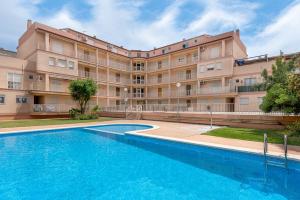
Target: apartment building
{"type": "Point", "coordinates": [201, 71]}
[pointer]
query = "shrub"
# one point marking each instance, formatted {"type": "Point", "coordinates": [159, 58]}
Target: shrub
{"type": "Point", "coordinates": [294, 128]}
{"type": "Point", "coordinates": [76, 114]}
{"type": "Point", "coordinates": [73, 113]}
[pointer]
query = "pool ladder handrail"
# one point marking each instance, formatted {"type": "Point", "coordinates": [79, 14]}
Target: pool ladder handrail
{"type": "Point", "coordinates": [285, 147]}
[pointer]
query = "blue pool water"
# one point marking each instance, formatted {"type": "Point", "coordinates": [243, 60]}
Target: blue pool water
{"type": "Point", "coordinates": [85, 164]}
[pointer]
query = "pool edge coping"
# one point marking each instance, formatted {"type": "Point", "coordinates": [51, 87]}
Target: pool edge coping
{"type": "Point", "coordinates": [154, 127]}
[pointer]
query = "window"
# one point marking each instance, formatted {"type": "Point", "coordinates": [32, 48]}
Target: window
{"type": "Point", "coordinates": [138, 55]}
{"type": "Point", "coordinates": [159, 92]}
{"type": "Point", "coordinates": [210, 67]}
{"type": "Point", "coordinates": [147, 55]}
{"type": "Point", "coordinates": [188, 89]}
{"type": "Point", "coordinates": [244, 101]}
{"type": "Point", "coordinates": [118, 102]}
{"type": "Point", "coordinates": [249, 81]}
{"type": "Point", "coordinates": [51, 61]}
{"type": "Point", "coordinates": [61, 63]}
{"type": "Point", "coordinates": [55, 85]}
{"type": "Point", "coordinates": [163, 51]}
{"type": "Point", "coordinates": [57, 47]}
{"type": "Point", "coordinates": [185, 45]}
{"type": "Point", "coordinates": [117, 91]}
{"type": "Point", "coordinates": [159, 64]}
{"type": "Point", "coordinates": [86, 72]}
{"type": "Point", "coordinates": [14, 80]}
{"type": "Point", "coordinates": [188, 103]}
{"type": "Point", "coordinates": [21, 99]}
{"type": "Point", "coordinates": [71, 64]}
{"type": "Point", "coordinates": [159, 78]}
{"type": "Point", "coordinates": [215, 52]}
{"type": "Point", "coordinates": [188, 74]}
{"type": "Point", "coordinates": [2, 99]}
{"type": "Point", "coordinates": [118, 78]}
{"type": "Point", "coordinates": [138, 66]}
{"type": "Point", "coordinates": [30, 76]}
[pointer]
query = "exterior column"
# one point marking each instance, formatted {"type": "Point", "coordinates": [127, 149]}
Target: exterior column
{"type": "Point", "coordinates": [47, 42]}
{"type": "Point", "coordinates": [223, 48]}
{"type": "Point", "coordinates": [169, 85]}
{"type": "Point", "coordinates": [75, 50]}
{"type": "Point", "coordinates": [107, 81]}
{"type": "Point", "coordinates": [223, 82]}
{"type": "Point", "coordinates": [47, 82]}
{"type": "Point", "coordinates": [97, 76]}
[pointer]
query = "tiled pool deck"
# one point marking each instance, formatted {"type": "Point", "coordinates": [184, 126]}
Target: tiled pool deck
{"type": "Point", "coordinates": [190, 133]}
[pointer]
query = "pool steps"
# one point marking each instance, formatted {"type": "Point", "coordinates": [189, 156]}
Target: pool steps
{"type": "Point", "coordinates": [275, 163]}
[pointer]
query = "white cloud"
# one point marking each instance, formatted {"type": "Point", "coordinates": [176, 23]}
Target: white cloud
{"type": "Point", "coordinates": [121, 22]}
{"type": "Point", "coordinates": [281, 34]}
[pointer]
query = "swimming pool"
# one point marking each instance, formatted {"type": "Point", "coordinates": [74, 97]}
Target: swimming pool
{"type": "Point", "coordinates": [81, 163]}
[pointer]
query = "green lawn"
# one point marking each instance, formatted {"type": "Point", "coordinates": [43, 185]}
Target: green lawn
{"type": "Point", "coordinates": [43, 122]}
{"type": "Point", "coordinates": [253, 135]}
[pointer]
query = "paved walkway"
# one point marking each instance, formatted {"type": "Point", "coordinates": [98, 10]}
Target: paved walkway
{"type": "Point", "coordinates": [190, 133]}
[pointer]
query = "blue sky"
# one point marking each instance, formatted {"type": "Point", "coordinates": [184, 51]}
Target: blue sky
{"type": "Point", "coordinates": [267, 26]}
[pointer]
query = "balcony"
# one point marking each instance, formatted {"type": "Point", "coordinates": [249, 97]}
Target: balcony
{"type": "Point", "coordinates": [138, 81]}
{"type": "Point", "coordinates": [184, 60]}
{"type": "Point", "coordinates": [216, 90]}
{"type": "Point", "coordinates": [157, 95]}
{"type": "Point", "coordinates": [120, 80]}
{"type": "Point", "coordinates": [138, 95]}
{"type": "Point", "coordinates": [40, 86]}
{"type": "Point", "coordinates": [119, 65]}
{"type": "Point", "coordinates": [102, 62]}
{"type": "Point", "coordinates": [87, 74]}
{"type": "Point", "coordinates": [86, 57]}
{"type": "Point", "coordinates": [184, 76]}
{"type": "Point", "coordinates": [183, 92]}
{"type": "Point", "coordinates": [251, 88]}
{"type": "Point", "coordinates": [157, 80]}
{"type": "Point", "coordinates": [156, 66]}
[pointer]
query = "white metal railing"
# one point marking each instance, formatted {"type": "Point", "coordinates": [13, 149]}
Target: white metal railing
{"type": "Point", "coordinates": [87, 74]}
{"type": "Point", "coordinates": [119, 65]}
{"type": "Point", "coordinates": [156, 80]}
{"type": "Point", "coordinates": [86, 57]}
{"type": "Point", "coordinates": [216, 108]}
{"type": "Point", "coordinates": [184, 76]}
{"type": "Point", "coordinates": [102, 61]}
{"type": "Point", "coordinates": [57, 108]}
{"type": "Point", "coordinates": [37, 86]}
{"type": "Point", "coordinates": [120, 80]}
{"type": "Point", "coordinates": [136, 81]}
{"type": "Point", "coordinates": [184, 60]}
{"type": "Point", "coordinates": [163, 94]}
{"type": "Point", "coordinates": [183, 92]}
{"type": "Point", "coordinates": [215, 90]}
{"type": "Point", "coordinates": [155, 66]}
{"type": "Point", "coordinates": [138, 95]}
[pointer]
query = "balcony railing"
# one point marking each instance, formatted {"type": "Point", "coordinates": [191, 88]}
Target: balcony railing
{"type": "Point", "coordinates": [55, 108]}
{"type": "Point", "coordinates": [251, 88]}
{"type": "Point", "coordinates": [138, 82]}
{"type": "Point", "coordinates": [251, 109]}
{"type": "Point", "coordinates": [40, 86]}
{"type": "Point", "coordinates": [138, 95]}
{"type": "Point", "coordinates": [86, 57]}
{"type": "Point", "coordinates": [156, 80]}
{"type": "Point", "coordinates": [87, 74]}
{"type": "Point", "coordinates": [184, 76]}
{"type": "Point", "coordinates": [151, 67]}
{"type": "Point", "coordinates": [119, 65]}
{"type": "Point", "coordinates": [183, 92]}
{"type": "Point", "coordinates": [216, 90]}
{"type": "Point", "coordinates": [102, 62]}
{"type": "Point", "coordinates": [185, 61]}
{"type": "Point", "coordinates": [164, 94]}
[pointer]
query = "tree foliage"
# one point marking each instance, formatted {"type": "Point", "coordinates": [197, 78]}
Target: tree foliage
{"type": "Point", "coordinates": [282, 87]}
{"type": "Point", "coordinates": [82, 91]}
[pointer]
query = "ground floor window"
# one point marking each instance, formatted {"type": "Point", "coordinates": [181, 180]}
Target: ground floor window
{"type": "Point", "coordinates": [2, 99]}
{"type": "Point", "coordinates": [21, 99]}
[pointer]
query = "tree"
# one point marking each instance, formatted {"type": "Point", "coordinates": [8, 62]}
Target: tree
{"type": "Point", "coordinates": [282, 87]}
{"type": "Point", "coordinates": [82, 91]}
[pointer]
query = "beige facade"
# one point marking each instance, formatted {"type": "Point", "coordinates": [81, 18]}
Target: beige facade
{"type": "Point", "coordinates": [36, 79]}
